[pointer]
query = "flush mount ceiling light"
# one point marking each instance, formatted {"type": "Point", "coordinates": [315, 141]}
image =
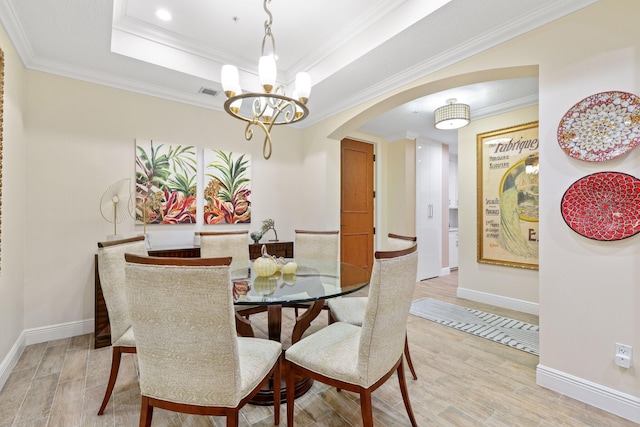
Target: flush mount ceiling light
{"type": "Point", "coordinates": [271, 107]}
{"type": "Point", "coordinates": [451, 116]}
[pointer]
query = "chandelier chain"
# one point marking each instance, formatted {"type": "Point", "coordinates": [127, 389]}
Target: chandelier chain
{"type": "Point", "coordinates": [267, 30]}
{"type": "Point", "coordinates": [271, 106]}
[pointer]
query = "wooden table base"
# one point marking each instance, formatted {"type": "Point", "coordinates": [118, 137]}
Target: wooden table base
{"type": "Point", "coordinates": [265, 396]}
{"type": "Point", "coordinates": [274, 324]}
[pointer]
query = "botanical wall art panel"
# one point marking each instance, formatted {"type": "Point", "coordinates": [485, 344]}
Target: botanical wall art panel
{"type": "Point", "coordinates": [508, 196]}
{"type": "Point", "coordinates": [165, 183]}
{"type": "Point", "coordinates": [227, 187]}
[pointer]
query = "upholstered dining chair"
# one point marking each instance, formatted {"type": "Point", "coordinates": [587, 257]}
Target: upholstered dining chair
{"type": "Point", "coordinates": [190, 357]}
{"type": "Point", "coordinates": [317, 246]}
{"type": "Point", "coordinates": [111, 272]}
{"type": "Point", "coordinates": [323, 245]}
{"type": "Point", "coordinates": [352, 309]}
{"type": "Point", "coordinates": [234, 244]}
{"type": "Point", "coordinates": [397, 241]}
{"type": "Point", "coordinates": [361, 358]}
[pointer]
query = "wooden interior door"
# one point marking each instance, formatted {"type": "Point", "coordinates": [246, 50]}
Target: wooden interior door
{"type": "Point", "coordinates": [356, 206]}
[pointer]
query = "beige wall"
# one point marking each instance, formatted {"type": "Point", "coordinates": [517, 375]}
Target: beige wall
{"type": "Point", "coordinates": [445, 208]}
{"type": "Point", "coordinates": [79, 139]}
{"type": "Point", "coordinates": [14, 195]}
{"type": "Point", "coordinates": [587, 290]}
{"type": "Point", "coordinates": [398, 188]}
{"type": "Point", "coordinates": [513, 285]}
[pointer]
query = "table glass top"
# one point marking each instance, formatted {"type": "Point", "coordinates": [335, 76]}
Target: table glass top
{"type": "Point", "coordinates": [313, 280]}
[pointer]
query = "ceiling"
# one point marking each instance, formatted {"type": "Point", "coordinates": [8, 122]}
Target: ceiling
{"type": "Point", "coordinates": [354, 50]}
{"type": "Point", "coordinates": [415, 119]}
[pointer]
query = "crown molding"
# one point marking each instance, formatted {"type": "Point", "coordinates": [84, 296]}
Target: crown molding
{"type": "Point", "coordinates": [457, 54]}
{"type": "Point", "coordinates": [490, 39]}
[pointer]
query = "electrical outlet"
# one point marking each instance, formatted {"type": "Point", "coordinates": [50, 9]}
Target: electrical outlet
{"type": "Point", "coordinates": [623, 356]}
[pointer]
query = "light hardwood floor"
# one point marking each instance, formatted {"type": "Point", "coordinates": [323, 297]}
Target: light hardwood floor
{"type": "Point", "coordinates": [463, 380]}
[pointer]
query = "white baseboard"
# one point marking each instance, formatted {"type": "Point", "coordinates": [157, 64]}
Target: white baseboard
{"type": "Point", "coordinates": [11, 359]}
{"type": "Point", "coordinates": [38, 335]}
{"type": "Point", "coordinates": [613, 401]}
{"type": "Point", "coordinates": [445, 271]}
{"type": "Point", "coordinates": [498, 300]}
{"type": "Point", "coordinates": [59, 331]}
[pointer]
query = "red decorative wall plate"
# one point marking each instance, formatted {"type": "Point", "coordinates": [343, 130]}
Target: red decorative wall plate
{"type": "Point", "coordinates": [603, 206]}
{"type": "Point", "coordinates": [601, 127]}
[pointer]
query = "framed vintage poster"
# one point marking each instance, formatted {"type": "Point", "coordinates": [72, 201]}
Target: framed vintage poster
{"type": "Point", "coordinates": [508, 196]}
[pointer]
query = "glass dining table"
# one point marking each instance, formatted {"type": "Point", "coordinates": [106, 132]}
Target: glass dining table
{"type": "Point", "coordinates": [313, 282]}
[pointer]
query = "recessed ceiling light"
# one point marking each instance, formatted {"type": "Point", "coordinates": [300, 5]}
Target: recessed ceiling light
{"type": "Point", "coordinates": [163, 14]}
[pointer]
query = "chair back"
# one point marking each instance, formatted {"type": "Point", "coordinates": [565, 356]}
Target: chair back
{"type": "Point", "coordinates": [397, 242]}
{"type": "Point", "coordinates": [183, 320]}
{"type": "Point", "coordinates": [218, 244]}
{"type": "Point", "coordinates": [393, 280]}
{"type": "Point", "coordinates": [320, 245]}
{"type": "Point", "coordinates": [111, 272]}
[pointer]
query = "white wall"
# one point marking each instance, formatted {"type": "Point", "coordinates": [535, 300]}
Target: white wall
{"type": "Point", "coordinates": [13, 213]}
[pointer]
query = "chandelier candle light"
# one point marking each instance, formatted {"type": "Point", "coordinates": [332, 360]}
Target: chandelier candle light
{"type": "Point", "coordinates": [271, 107]}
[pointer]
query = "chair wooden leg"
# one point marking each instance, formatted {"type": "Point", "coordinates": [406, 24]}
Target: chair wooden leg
{"type": "Point", "coordinates": [291, 396]}
{"type": "Point", "coordinates": [232, 418]}
{"type": "Point", "coordinates": [366, 408]}
{"type": "Point", "coordinates": [405, 394]}
{"type": "Point", "coordinates": [146, 412]}
{"type": "Point", "coordinates": [407, 356]}
{"type": "Point", "coordinates": [276, 392]}
{"type": "Point", "coordinates": [115, 367]}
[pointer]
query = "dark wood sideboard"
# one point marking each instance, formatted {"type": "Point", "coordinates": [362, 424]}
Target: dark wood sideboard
{"type": "Point", "coordinates": [102, 331]}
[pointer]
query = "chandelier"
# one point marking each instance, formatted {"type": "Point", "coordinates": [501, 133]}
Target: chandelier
{"type": "Point", "coordinates": [451, 116]}
{"type": "Point", "coordinates": [270, 107]}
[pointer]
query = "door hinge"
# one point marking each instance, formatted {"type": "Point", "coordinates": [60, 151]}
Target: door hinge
{"type": "Point", "coordinates": [374, 230]}
{"type": "Point", "coordinates": [374, 194]}
{"type": "Point", "coordinates": [374, 157]}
